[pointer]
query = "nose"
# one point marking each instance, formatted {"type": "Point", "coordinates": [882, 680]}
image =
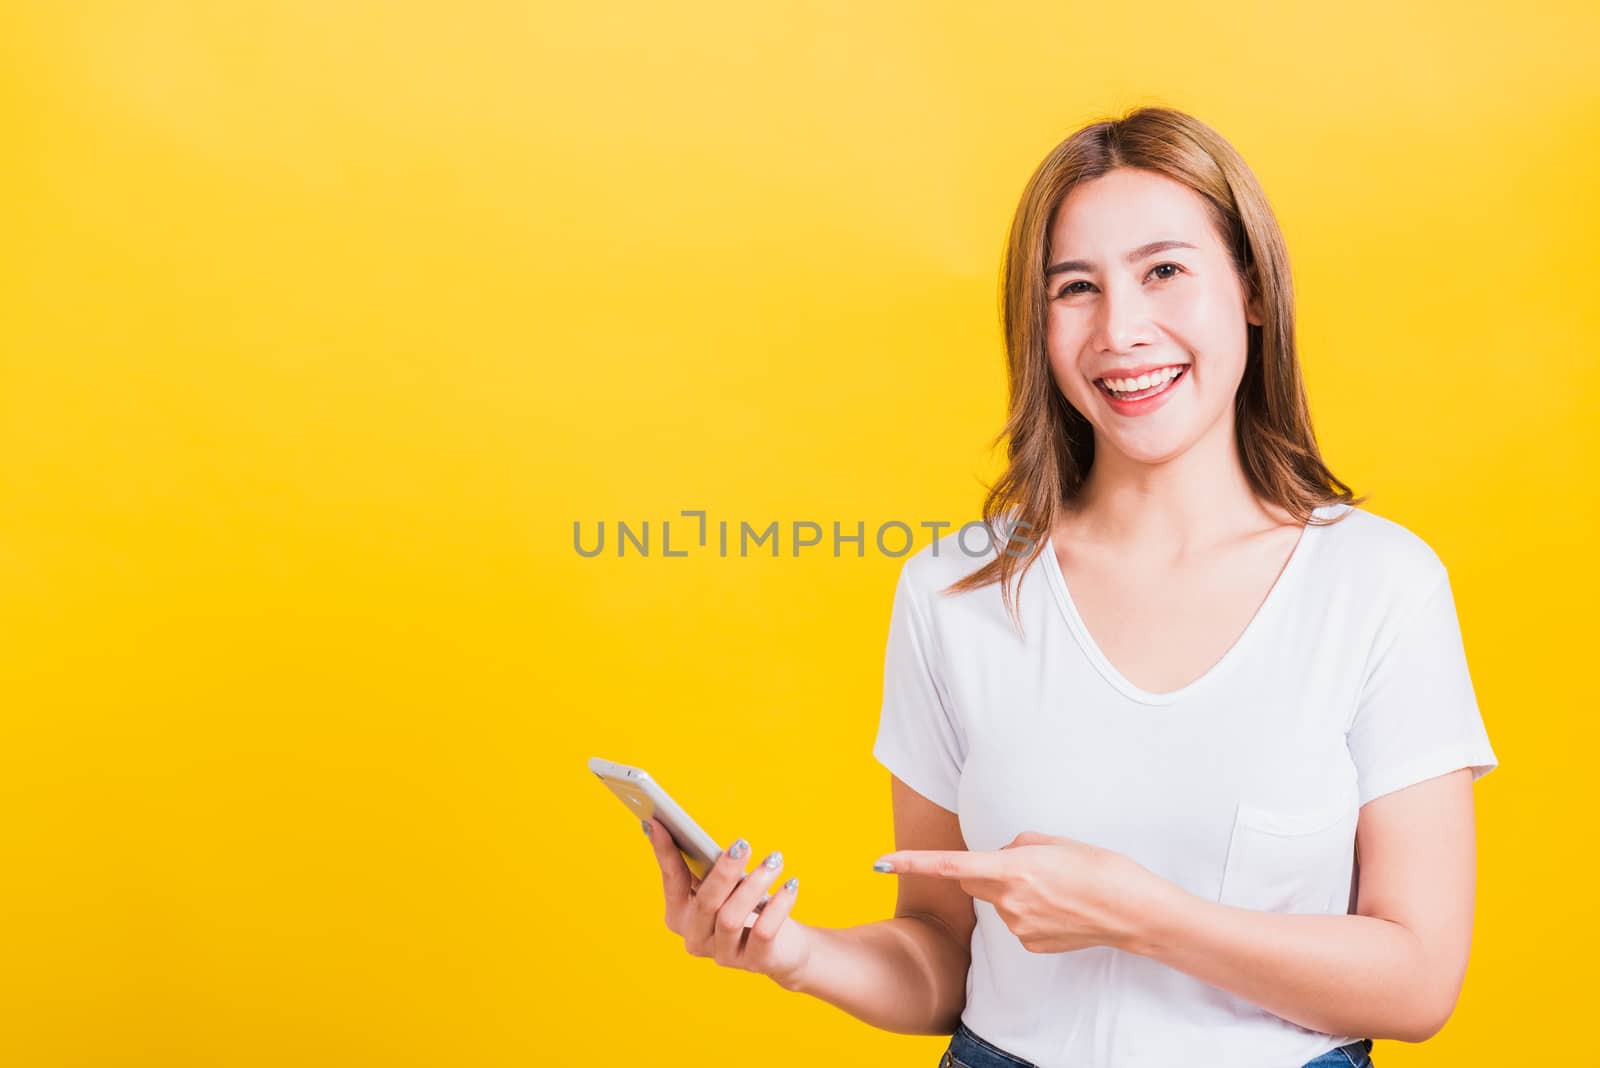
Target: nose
{"type": "Point", "coordinates": [1122, 320]}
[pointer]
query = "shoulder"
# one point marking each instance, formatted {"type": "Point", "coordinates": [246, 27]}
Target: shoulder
{"type": "Point", "coordinates": [1377, 555]}
{"type": "Point", "coordinates": [952, 554]}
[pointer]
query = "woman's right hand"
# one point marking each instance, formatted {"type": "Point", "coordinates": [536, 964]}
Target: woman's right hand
{"type": "Point", "coordinates": [710, 914]}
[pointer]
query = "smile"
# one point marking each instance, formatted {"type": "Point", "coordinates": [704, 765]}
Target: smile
{"type": "Point", "coordinates": [1151, 385]}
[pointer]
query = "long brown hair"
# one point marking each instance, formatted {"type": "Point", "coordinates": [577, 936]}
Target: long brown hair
{"type": "Point", "coordinates": [1051, 444]}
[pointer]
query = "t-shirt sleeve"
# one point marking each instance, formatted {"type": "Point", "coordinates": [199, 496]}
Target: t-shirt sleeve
{"type": "Point", "coordinates": [919, 738]}
{"type": "Point", "coordinates": [1418, 715]}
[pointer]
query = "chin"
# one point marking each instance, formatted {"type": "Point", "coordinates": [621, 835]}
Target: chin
{"type": "Point", "coordinates": [1157, 460]}
{"type": "Point", "coordinates": [1146, 452]}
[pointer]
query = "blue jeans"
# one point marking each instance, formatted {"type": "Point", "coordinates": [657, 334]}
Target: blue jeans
{"type": "Point", "coordinates": [967, 1050]}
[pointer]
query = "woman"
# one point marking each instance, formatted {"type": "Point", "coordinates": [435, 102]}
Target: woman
{"type": "Point", "coordinates": [1136, 750]}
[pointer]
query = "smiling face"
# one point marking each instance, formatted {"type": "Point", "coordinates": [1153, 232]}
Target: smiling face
{"type": "Point", "coordinates": [1140, 290]}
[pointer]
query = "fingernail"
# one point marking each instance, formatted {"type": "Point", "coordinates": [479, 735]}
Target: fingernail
{"type": "Point", "coordinates": [882, 865]}
{"type": "Point", "coordinates": [646, 825]}
{"type": "Point", "coordinates": [792, 883]}
{"type": "Point", "coordinates": [774, 860]}
{"type": "Point", "coordinates": [739, 850]}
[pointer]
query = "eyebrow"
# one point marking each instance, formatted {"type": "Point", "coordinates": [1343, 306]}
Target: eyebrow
{"type": "Point", "coordinates": [1137, 254]}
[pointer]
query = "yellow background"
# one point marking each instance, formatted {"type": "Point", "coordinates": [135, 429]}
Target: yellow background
{"type": "Point", "coordinates": [323, 322]}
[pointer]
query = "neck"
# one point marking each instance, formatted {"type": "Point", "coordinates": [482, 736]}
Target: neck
{"type": "Point", "coordinates": [1196, 499]}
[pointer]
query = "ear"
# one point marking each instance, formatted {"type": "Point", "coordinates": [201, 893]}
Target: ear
{"type": "Point", "coordinates": [1252, 311]}
{"type": "Point", "coordinates": [1252, 304]}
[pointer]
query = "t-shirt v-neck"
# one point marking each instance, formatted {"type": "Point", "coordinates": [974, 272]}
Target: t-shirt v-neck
{"type": "Point", "coordinates": [1280, 590]}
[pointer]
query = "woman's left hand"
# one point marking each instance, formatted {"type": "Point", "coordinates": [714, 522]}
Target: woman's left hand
{"type": "Point", "coordinates": [1055, 894]}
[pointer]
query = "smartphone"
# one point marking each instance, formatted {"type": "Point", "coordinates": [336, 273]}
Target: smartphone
{"type": "Point", "coordinates": [646, 798]}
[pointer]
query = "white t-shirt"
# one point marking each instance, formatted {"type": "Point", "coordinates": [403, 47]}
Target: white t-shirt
{"type": "Point", "coordinates": [1241, 787]}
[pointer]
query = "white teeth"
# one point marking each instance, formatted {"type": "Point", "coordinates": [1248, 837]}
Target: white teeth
{"type": "Point", "coordinates": [1144, 381]}
{"type": "Point", "coordinates": [1134, 385]}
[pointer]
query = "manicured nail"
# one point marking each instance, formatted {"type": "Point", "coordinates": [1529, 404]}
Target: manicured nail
{"type": "Point", "coordinates": [646, 825]}
{"type": "Point", "coordinates": [882, 865]}
{"type": "Point", "coordinates": [739, 850]}
{"type": "Point", "coordinates": [792, 883]}
{"type": "Point", "coordinates": [774, 860]}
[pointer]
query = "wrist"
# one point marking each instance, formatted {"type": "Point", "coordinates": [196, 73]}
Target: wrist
{"type": "Point", "coordinates": [1154, 916]}
{"type": "Point", "coordinates": [789, 978]}
{"type": "Point", "coordinates": [793, 978]}
{"type": "Point", "coordinates": [790, 981]}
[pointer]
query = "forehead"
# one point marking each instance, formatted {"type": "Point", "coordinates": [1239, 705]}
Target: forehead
{"type": "Point", "coordinates": [1125, 208]}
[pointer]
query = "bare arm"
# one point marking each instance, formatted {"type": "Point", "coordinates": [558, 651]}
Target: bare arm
{"type": "Point", "coordinates": [893, 974]}
{"type": "Point", "coordinates": [907, 974]}
{"type": "Point", "coordinates": [1393, 969]}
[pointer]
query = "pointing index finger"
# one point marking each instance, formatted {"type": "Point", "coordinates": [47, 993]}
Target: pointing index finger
{"type": "Point", "coordinates": [941, 863]}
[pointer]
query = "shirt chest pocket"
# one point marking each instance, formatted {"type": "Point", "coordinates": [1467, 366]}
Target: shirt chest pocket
{"type": "Point", "coordinates": [1291, 859]}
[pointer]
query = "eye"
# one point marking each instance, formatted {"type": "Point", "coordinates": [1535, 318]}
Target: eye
{"type": "Point", "coordinates": [1068, 291]}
